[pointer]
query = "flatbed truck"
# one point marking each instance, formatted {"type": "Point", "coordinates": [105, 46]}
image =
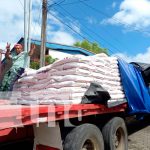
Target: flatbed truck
{"type": "Point", "coordinates": [64, 127]}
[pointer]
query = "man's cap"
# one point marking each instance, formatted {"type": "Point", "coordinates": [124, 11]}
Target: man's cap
{"type": "Point", "coordinates": [17, 45]}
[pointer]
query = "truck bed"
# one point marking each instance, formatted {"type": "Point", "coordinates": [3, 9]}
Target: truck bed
{"type": "Point", "coordinates": [20, 115]}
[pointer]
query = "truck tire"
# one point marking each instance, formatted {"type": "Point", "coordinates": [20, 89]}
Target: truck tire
{"type": "Point", "coordinates": [84, 137]}
{"type": "Point", "coordinates": [115, 134]}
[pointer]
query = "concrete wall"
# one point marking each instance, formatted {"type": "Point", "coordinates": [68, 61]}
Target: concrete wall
{"type": "Point", "coordinates": [57, 54]}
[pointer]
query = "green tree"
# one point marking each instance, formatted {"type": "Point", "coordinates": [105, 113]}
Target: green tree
{"type": "Point", "coordinates": [34, 65]}
{"type": "Point", "coordinates": [85, 44]}
{"type": "Point", "coordinates": [93, 47]}
{"type": "Point", "coordinates": [77, 44]}
{"type": "Point", "coordinates": [48, 60]}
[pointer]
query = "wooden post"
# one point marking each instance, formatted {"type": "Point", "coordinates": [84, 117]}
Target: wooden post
{"type": "Point", "coordinates": [43, 33]}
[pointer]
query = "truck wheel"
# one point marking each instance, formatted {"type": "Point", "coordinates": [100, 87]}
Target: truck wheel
{"type": "Point", "coordinates": [84, 137]}
{"type": "Point", "coordinates": [115, 135]}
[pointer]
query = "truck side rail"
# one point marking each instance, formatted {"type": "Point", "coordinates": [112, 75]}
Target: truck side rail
{"type": "Point", "coordinates": [21, 115]}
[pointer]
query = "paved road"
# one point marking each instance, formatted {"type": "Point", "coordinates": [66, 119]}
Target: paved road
{"type": "Point", "coordinates": [139, 135]}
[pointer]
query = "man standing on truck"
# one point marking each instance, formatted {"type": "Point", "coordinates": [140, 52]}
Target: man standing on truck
{"type": "Point", "coordinates": [19, 60]}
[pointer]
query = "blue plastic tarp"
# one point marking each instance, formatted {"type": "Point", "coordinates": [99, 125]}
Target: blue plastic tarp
{"type": "Point", "coordinates": [136, 92]}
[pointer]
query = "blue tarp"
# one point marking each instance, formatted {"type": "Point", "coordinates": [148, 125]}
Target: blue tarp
{"type": "Point", "coordinates": [136, 92]}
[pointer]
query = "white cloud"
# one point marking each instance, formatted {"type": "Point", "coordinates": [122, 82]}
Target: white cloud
{"type": "Point", "coordinates": [141, 57]}
{"type": "Point", "coordinates": [12, 23]}
{"type": "Point", "coordinates": [135, 13]}
{"type": "Point", "coordinates": [91, 20]}
{"type": "Point", "coordinates": [36, 31]}
{"type": "Point", "coordinates": [60, 35]}
{"type": "Point", "coordinates": [54, 21]}
{"type": "Point", "coordinates": [62, 38]}
{"type": "Point", "coordinates": [114, 4]}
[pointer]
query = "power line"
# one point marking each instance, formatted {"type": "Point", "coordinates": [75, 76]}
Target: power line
{"type": "Point", "coordinates": [21, 4]}
{"type": "Point", "coordinates": [77, 32]}
{"type": "Point", "coordinates": [76, 26]}
{"type": "Point", "coordinates": [68, 26]}
{"type": "Point", "coordinates": [72, 29]}
{"type": "Point", "coordinates": [56, 3]}
{"type": "Point", "coordinates": [92, 32]}
{"type": "Point", "coordinates": [81, 34]}
{"type": "Point", "coordinates": [108, 16]}
{"type": "Point", "coordinates": [61, 2]}
{"type": "Point", "coordinates": [77, 18]}
{"type": "Point", "coordinates": [115, 19]}
{"type": "Point", "coordinates": [75, 2]}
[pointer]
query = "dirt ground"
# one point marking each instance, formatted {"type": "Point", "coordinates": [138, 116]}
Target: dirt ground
{"type": "Point", "coordinates": [139, 135]}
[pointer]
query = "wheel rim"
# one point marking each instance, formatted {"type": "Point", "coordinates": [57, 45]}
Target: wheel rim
{"type": "Point", "coordinates": [119, 139]}
{"type": "Point", "coordinates": [90, 145]}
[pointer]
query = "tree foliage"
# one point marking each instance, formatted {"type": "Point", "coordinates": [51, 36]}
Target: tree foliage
{"type": "Point", "coordinates": [34, 65]}
{"type": "Point", "coordinates": [48, 60]}
{"type": "Point", "coordinates": [93, 47]}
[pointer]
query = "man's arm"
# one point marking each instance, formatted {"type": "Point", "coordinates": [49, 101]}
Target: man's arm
{"type": "Point", "coordinates": [32, 50]}
{"type": "Point", "coordinates": [7, 54]}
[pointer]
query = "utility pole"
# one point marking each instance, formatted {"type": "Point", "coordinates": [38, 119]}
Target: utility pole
{"type": "Point", "coordinates": [29, 30]}
{"type": "Point", "coordinates": [43, 33]}
{"type": "Point", "coordinates": [1, 52]}
{"type": "Point", "coordinates": [25, 25]}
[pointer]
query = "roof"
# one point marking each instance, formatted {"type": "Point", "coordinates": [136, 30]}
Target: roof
{"type": "Point", "coordinates": [62, 48]}
{"type": "Point", "coordinates": [59, 47]}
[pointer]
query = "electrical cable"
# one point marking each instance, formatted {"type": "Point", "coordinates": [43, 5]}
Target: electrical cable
{"type": "Point", "coordinates": [21, 4]}
{"type": "Point", "coordinates": [68, 26]}
{"type": "Point", "coordinates": [75, 2]}
{"type": "Point", "coordinates": [116, 20]}
{"type": "Point", "coordinates": [92, 32]}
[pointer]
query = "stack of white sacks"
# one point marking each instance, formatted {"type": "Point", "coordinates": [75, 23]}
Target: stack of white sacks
{"type": "Point", "coordinates": [67, 80]}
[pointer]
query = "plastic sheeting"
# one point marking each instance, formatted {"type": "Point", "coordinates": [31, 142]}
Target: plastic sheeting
{"type": "Point", "coordinates": [136, 92]}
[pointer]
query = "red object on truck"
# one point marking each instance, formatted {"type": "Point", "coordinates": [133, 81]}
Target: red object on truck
{"type": "Point", "coordinates": [17, 121]}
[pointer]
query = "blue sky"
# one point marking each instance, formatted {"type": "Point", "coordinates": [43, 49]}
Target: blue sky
{"type": "Point", "coordinates": [122, 26]}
